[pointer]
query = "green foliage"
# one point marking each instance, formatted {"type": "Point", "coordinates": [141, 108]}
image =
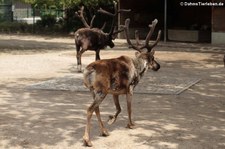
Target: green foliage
{"type": "Point", "coordinates": [71, 23]}
{"type": "Point", "coordinates": [96, 3]}
{"type": "Point", "coordinates": [47, 20]}
{"type": "Point", "coordinates": [15, 27]}
{"type": "Point", "coordinates": [51, 22]}
{"type": "Point", "coordinates": [19, 27]}
{"type": "Point", "coordinates": [67, 3]}
{"type": "Point", "coordinates": [8, 2]}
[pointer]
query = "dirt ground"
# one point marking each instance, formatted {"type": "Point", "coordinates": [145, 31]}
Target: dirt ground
{"type": "Point", "coordinates": [194, 119]}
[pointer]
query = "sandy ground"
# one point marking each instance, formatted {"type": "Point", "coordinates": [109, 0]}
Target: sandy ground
{"type": "Point", "coordinates": [195, 119]}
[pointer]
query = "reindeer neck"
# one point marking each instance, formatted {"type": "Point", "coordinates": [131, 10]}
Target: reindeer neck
{"type": "Point", "coordinates": [140, 66]}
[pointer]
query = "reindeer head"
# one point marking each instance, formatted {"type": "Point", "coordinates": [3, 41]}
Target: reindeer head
{"type": "Point", "coordinates": [145, 51]}
{"type": "Point", "coordinates": [109, 41]}
{"type": "Point", "coordinates": [149, 58]}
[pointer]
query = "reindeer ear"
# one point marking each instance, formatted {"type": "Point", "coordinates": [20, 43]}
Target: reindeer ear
{"type": "Point", "coordinates": [137, 54]}
{"type": "Point", "coordinates": [152, 52]}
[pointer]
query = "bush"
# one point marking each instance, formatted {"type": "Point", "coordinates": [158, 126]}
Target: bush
{"type": "Point", "coordinates": [15, 27]}
{"type": "Point", "coordinates": [47, 21]}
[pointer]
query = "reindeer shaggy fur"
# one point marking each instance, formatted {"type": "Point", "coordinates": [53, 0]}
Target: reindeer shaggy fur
{"type": "Point", "coordinates": [114, 76]}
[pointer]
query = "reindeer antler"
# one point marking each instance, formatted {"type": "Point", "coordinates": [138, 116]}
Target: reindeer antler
{"type": "Point", "coordinates": [116, 12]}
{"type": "Point", "coordinates": [114, 15]}
{"type": "Point", "coordinates": [148, 37]}
{"type": "Point", "coordinates": [80, 14]}
{"type": "Point", "coordinates": [138, 46]}
{"type": "Point", "coordinates": [127, 34]}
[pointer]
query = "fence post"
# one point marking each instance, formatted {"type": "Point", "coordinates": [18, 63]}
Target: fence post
{"type": "Point", "coordinates": [33, 25]}
{"type": "Point", "coordinates": [12, 12]}
{"type": "Point", "coordinates": [165, 20]}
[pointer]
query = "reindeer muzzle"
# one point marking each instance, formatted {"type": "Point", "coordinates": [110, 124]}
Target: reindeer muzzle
{"type": "Point", "coordinates": [155, 66]}
{"type": "Point", "coordinates": [111, 45]}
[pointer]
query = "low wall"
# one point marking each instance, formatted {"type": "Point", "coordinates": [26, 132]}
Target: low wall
{"type": "Point", "coordinates": [218, 37]}
{"type": "Point", "coordinates": [189, 35]}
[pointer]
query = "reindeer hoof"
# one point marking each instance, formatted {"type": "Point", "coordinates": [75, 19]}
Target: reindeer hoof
{"type": "Point", "coordinates": [130, 126]}
{"type": "Point", "coordinates": [87, 143]}
{"type": "Point", "coordinates": [79, 71]}
{"type": "Point", "coordinates": [104, 133]}
{"type": "Point", "coordinates": [111, 120]}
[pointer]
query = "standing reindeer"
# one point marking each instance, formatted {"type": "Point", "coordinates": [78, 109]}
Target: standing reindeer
{"type": "Point", "coordinates": [95, 39]}
{"type": "Point", "coordinates": [118, 76]}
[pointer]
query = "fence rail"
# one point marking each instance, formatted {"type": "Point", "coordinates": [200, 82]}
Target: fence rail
{"type": "Point", "coordinates": [9, 13]}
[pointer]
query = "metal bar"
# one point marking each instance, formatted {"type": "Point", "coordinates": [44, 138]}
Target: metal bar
{"type": "Point", "coordinates": [165, 20]}
{"type": "Point", "coordinates": [118, 18]}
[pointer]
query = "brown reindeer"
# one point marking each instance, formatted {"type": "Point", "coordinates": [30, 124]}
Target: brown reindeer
{"type": "Point", "coordinates": [118, 76]}
{"type": "Point", "coordinates": [95, 39]}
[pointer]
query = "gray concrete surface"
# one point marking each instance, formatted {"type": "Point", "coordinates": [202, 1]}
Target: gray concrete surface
{"type": "Point", "coordinates": [50, 119]}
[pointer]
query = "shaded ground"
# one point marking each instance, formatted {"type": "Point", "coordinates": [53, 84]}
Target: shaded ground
{"type": "Point", "coordinates": [55, 119]}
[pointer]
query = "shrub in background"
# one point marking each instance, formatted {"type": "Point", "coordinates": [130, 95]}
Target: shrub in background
{"type": "Point", "coordinates": [15, 27]}
{"type": "Point", "coordinates": [47, 21]}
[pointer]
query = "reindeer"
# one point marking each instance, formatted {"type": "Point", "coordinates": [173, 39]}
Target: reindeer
{"type": "Point", "coordinates": [95, 39]}
{"type": "Point", "coordinates": [118, 76]}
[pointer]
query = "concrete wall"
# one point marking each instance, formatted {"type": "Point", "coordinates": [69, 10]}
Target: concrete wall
{"type": "Point", "coordinates": [189, 35]}
{"type": "Point", "coordinates": [218, 37]}
{"type": "Point", "coordinates": [218, 25]}
{"type": "Point", "coordinates": [183, 35]}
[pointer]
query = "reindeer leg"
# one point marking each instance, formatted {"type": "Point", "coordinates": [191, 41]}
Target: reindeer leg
{"type": "Point", "coordinates": [99, 96]}
{"type": "Point", "coordinates": [79, 53]}
{"type": "Point", "coordinates": [97, 56]}
{"type": "Point", "coordinates": [78, 57]}
{"type": "Point", "coordinates": [78, 60]}
{"type": "Point", "coordinates": [129, 110]}
{"type": "Point", "coordinates": [86, 137]}
{"type": "Point", "coordinates": [103, 130]}
{"type": "Point", "coordinates": [112, 118]}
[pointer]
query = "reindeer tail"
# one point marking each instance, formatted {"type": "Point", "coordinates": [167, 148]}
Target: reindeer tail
{"type": "Point", "coordinates": [89, 76]}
